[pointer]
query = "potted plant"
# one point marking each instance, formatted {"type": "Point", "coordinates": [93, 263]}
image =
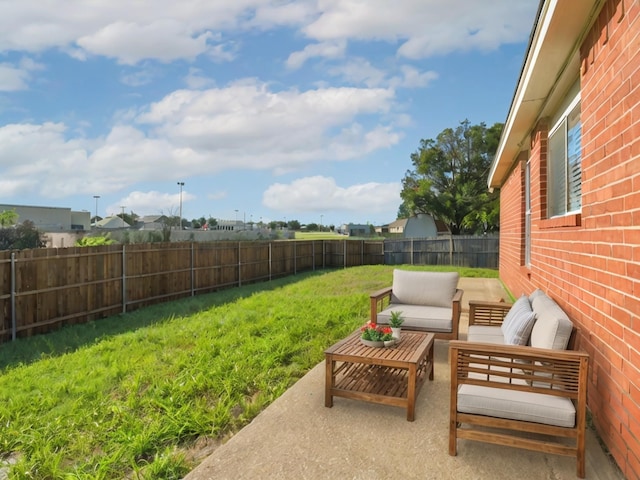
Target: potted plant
{"type": "Point", "coordinates": [396, 321]}
{"type": "Point", "coordinates": [374, 335]}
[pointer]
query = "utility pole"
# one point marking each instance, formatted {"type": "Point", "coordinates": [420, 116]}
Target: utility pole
{"type": "Point", "coordinates": [95, 220]}
{"type": "Point", "coordinates": [181, 184]}
{"type": "Point", "coordinates": [122, 207]}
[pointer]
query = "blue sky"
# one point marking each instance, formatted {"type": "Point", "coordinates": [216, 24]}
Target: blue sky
{"type": "Point", "coordinates": [265, 109]}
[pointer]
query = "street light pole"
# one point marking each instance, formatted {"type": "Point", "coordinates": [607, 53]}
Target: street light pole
{"type": "Point", "coordinates": [321, 222]}
{"type": "Point", "coordinates": [95, 220]}
{"type": "Point", "coordinates": [181, 184]}
{"type": "Point", "coordinates": [122, 207]}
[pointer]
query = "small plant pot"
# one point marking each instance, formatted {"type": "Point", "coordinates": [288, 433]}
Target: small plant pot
{"type": "Point", "coordinates": [371, 343]}
{"type": "Point", "coordinates": [395, 332]}
{"type": "Point", "coordinates": [389, 343]}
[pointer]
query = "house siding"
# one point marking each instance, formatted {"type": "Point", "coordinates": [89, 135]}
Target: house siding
{"type": "Point", "coordinates": [590, 263]}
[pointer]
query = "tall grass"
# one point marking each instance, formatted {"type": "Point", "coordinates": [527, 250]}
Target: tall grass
{"type": "Point", "coordinates": [130, 395]}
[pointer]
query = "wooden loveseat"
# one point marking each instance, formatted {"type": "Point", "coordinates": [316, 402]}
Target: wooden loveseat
{"type": "Point", "coordinates": [532, 395]}
{"type": "Point", "coordinates": [428, 301]}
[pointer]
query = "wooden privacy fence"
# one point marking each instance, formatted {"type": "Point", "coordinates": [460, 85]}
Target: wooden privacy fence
{"type": "Point", "coordinates": [456, 250]}
{"type": "Point", "coordinates": [42, 289]}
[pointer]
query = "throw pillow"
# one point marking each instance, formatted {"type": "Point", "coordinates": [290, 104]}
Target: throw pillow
{"type": "Point", "coordinates": [518, 323]}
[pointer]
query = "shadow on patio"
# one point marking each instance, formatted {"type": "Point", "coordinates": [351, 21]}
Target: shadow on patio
{"type": "Point", "coordinates": [297, 437]}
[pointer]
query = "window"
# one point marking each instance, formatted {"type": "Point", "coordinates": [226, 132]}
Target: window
{"type": "Point", "coordinates": [564, 175]}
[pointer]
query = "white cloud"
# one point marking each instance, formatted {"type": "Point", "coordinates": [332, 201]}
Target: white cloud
{"type": "Point", "coordinates": [322, 194]}
{"type": "Point", "coordinates": [324, 50]}
{"type": "Point", "coordinates": [360, 71]}
{"type": "Point", "coordinates": [245, 125]}
{"type": "Point", "coordinates": [424, 28]}
{"type": "Point", "coordinates": [164, 40]}
{"type": "Point", "coordinates": [166, 30]}
{"type": "Point", "coordinates": [151, 203]}
{"type": "Point", "coordinates": [251, 126]}
{"type": "Point", "coordinates": [14, 78]}
{"type": "Point", "coordinates": [195, 80]}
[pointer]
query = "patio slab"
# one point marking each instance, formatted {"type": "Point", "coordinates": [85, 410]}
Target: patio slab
{"type": "Point", "coordinates": [297, 437]}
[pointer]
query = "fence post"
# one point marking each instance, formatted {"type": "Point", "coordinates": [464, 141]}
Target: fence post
{"type": "Point", "coordinates": [344, 255]}
{"type": "Point", "coordinates": [450, 249]}
{"type": "Point", "coordinates": [313, 254]}
{"type": "Point", "coordinates": [124, 279]}
{"type": "Point", "coordinates": [324, 253]}
{"type": "Point", "coordinates": [361, 252]}
{"type": "Point", "coordinates": [193, 272]}
{"type": "Point", "coordinates": [14, 326]}
{"type": "Point", "coordinates": [239, 267]}
{"type": "Point", "coordinates": [270, 262]}
{"type": "Point", "coordinates": [295, 259]}
{"type": "Point", "coordinates": [411, 251]}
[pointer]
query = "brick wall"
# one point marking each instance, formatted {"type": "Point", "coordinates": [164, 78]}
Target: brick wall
{"type": "Point", "coordinates": [590, 263]}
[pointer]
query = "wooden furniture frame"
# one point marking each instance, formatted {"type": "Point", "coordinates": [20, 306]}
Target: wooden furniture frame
{"type": "Point", "coordinates": [388, 376]}
{"type": "Point", "coordinates": [561, 373]}
{"type": "Point", "coordinates": [381, 299]}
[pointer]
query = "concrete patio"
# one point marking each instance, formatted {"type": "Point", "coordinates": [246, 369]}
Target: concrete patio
{"type": "Point", "coordinates": [297, 437]}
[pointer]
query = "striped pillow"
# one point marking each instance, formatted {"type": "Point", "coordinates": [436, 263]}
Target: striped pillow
{"type": "Point", "coordinates": [517, 324]}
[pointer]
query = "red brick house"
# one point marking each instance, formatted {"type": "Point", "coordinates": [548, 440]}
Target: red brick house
{"type": "Point", "coordinates": [568, 171]}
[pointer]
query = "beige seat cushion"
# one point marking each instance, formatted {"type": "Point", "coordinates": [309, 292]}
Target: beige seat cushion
{"type": "Point", "coordinates": [485, 334]}
{"type": "Point", "coordinates": [434, 319]}
{"type": "Point", "coordinates": [516, 405]}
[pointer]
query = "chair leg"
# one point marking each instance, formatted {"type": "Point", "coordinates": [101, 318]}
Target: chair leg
{"type": "Point", "coordinates": [453, 441]}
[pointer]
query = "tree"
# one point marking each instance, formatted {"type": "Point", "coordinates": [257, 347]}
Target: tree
{"type": "Point", "coordinates": [294, 224]}
{"type": "Point", "coordinates": [24, 235]}
{"type": "Point", "coordinates": [449, 179]}
{"type": "Point", "coordinates": [8, 218]}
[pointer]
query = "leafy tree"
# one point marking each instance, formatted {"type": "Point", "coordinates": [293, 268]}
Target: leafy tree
{"type": "Point", "coordinates": [313, 227]}
{"type": "Point", "coordinates": [24, 235]}
{"type": "Point", "coordinates": [8, 218]}
{"type": "Point", "coordinates": [294, 224]}
{"type": "Point", "coordinates": [449, 176]}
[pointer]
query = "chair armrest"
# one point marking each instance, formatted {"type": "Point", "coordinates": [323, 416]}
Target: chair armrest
{"type": "Point", "coordinates": [487, 313]}
{"type": "Point", "coordinates": [560, 373]}
{"type": "Point", "coordinates": [379, 299]}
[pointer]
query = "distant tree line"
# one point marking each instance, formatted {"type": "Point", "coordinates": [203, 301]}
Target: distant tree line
{"type": "Point", "coordinates": [18, 236]}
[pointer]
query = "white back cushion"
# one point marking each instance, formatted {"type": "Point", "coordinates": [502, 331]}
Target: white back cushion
{"type": "Point", "coordinates": [553, 327]}
{"type": "Point", "coordinates": [424, 288]}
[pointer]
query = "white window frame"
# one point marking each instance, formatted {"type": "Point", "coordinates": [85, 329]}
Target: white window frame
{"type": "Point", "coordinates": [559, 185]}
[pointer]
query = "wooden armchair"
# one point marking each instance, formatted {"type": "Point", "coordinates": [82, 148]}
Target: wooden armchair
{"type": "Point", "coordinates": [429, 301]}
{"type": "Point", "coordinates": [520, 396]}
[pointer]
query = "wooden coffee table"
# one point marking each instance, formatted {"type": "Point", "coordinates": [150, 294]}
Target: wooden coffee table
{"type": "Point", "coordinates": [390, 376]}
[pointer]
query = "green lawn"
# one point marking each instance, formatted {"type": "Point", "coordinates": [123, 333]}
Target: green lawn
{"type": "Point", "coordinates": [130, 396]}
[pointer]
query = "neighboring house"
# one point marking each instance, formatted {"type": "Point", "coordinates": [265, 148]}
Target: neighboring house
{"type": "Point", "coordinates": [420, 226]}
{"type": "Point", "coordinates": [153, 222]}
{"type": "Point", "coordinates": [397, 227]}
{"type": "Point", "coordinates": [112, 222]}
{"type": "Point", "coordinates": [51, 219]}
{"type": "Point", "coordinates": [568, 170]}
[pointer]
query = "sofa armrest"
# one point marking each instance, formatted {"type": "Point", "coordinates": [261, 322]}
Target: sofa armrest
{"type": "Point", "coordinates": [554, 372]}
{"type": "Point", "coordinates": [487, 313]}
{"type": "Point", "coordinates": [379, 300]}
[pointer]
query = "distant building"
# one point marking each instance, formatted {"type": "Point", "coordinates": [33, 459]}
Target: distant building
{"type": "Point", "coordinates": [153, 222]}
{"type": "Point", "coordinates": [355, 230]}
{"type": "Point", "coordinates": [421, 225]}
{"type": "Point", "coordinates": [112, 222]}
{"type": "Point", "coordinates": [229, 225]}
{"type": "Point", "coordinates": [51, 219]}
